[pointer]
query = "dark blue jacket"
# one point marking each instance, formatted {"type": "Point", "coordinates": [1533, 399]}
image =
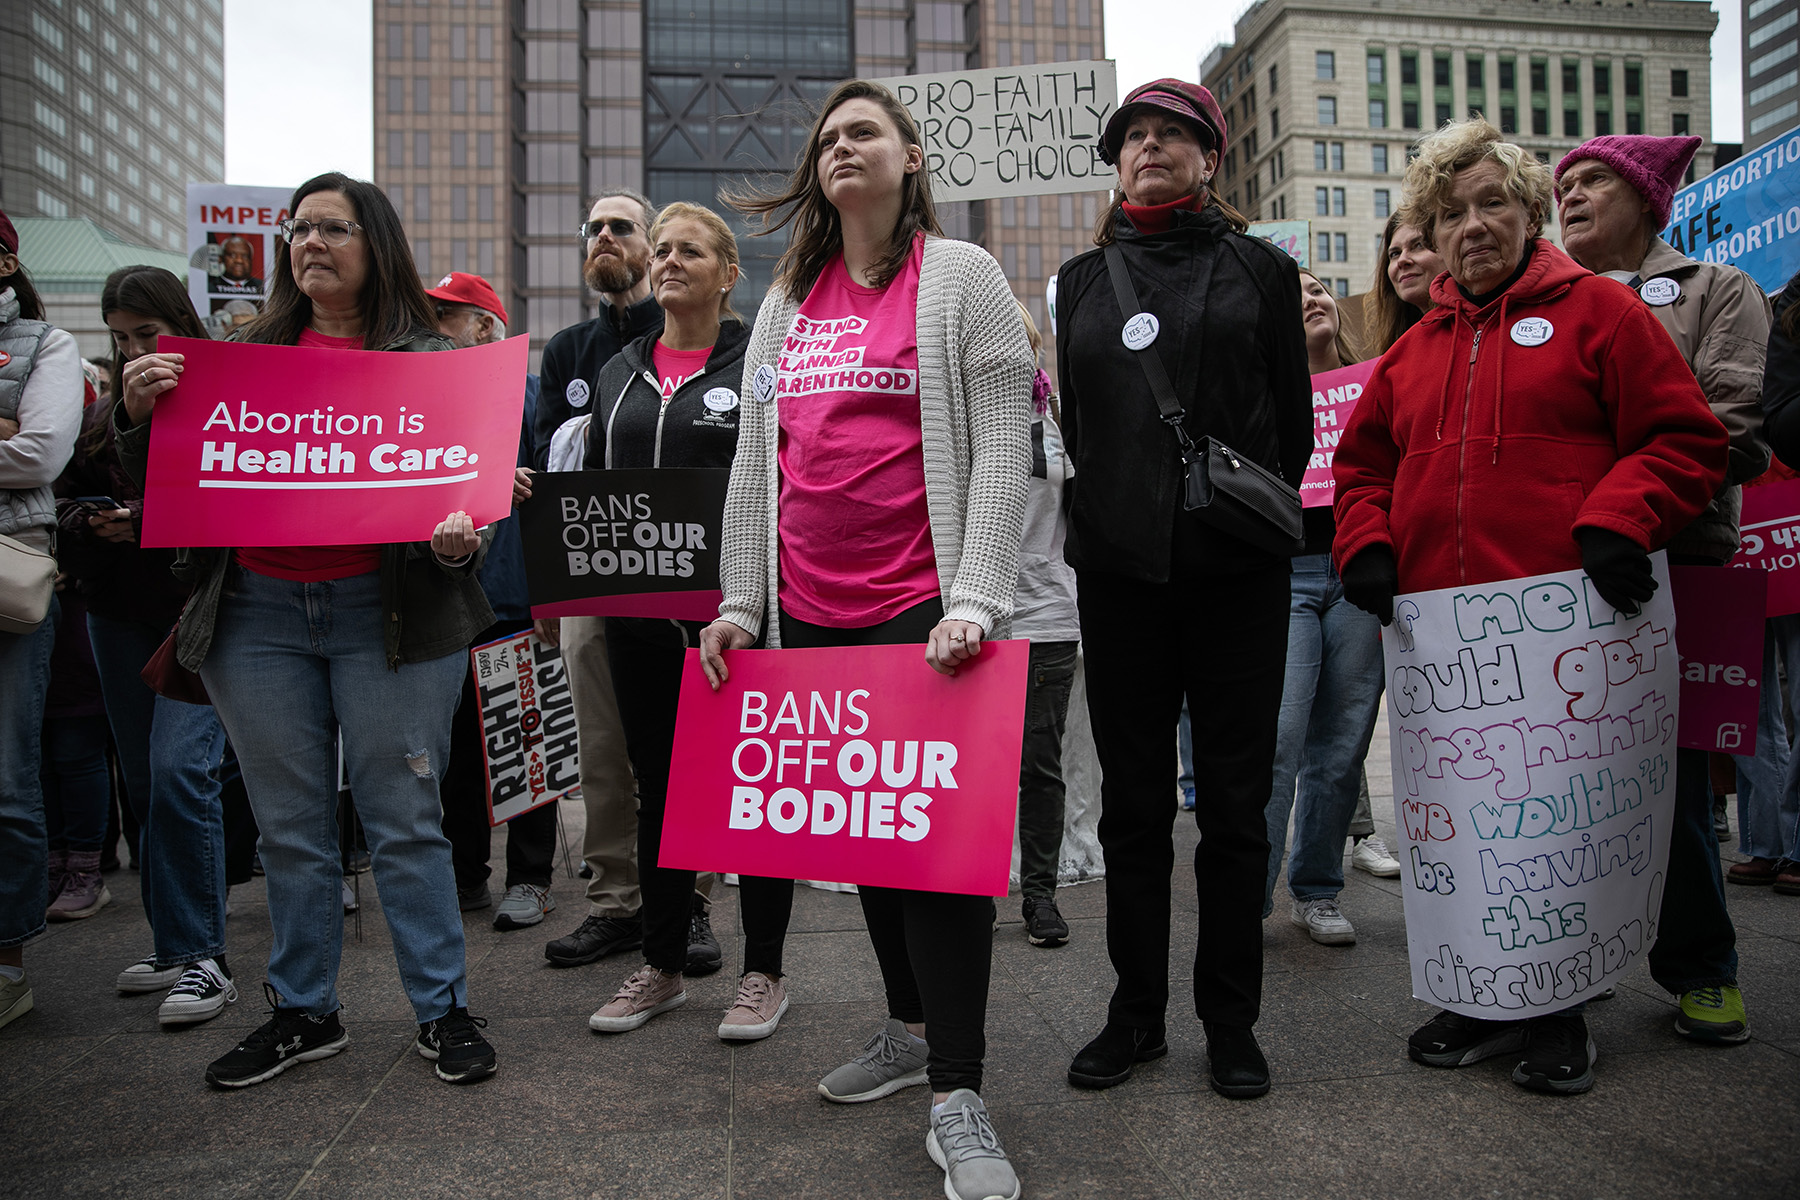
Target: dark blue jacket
{"type": "Point", "coordinates": [502, 574]}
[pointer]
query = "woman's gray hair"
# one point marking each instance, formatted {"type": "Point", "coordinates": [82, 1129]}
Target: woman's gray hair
{"type": "Point", "coordinates": [1455, 148]}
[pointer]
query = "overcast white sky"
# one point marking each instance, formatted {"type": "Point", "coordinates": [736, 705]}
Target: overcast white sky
{"type": "Point", "coordinates": [299, 104]}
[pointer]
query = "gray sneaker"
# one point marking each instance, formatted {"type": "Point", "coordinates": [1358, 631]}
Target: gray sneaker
{"type": "Point", "coordinates": [1324, 923]}
{"type": "Point", "coordinates": [891, 1060]}
{"type": "Point", "coordinates": [963, 1142]}
{"type": "Point", "coordinates": [525, 905]}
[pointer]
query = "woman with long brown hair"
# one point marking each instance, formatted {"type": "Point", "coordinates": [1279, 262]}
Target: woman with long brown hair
{"type": "Point", "coordinates": [1401, 291]}
{"type": "Point", "coordinates": [296, 643]}
{"type": "Point", "coordinates": [170, 752]}
{"type": "Point", "coordinates": [861, 518]}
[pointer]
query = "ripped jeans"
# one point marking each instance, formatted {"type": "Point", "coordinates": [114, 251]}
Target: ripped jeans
{"type": "Point", "coordinates": [290, 663]}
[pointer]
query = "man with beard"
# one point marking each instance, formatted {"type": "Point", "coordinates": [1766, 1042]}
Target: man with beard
{"type": "Point", "coordinates": [237, 259]}
{"type": "Point", "coordinates": [617, 265]}
{"type": "Point", "coordinates": [617, 241]}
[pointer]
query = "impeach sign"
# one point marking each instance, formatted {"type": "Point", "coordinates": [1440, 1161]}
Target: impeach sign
{"type": "Point", "coordinates": [297, 446]}
{"type": "Point", "coordinates": [624, 543]}
{"type": "Point", "coordinates": [856, 764]}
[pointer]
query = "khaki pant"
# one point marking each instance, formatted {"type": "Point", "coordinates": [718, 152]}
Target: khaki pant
{"type": "Point", "coordinates": [608, 789]}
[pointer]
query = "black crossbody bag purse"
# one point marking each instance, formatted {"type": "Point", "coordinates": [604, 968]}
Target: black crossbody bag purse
{"type": "Point", "coordinates": [1231, 492]}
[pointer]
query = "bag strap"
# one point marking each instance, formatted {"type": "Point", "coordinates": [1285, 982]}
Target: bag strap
{"type": "Point", "coordinates": [1149, 357]}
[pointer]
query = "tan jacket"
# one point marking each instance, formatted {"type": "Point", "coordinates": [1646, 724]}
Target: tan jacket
{"type": "Point", "coordinates": [1720, 323]}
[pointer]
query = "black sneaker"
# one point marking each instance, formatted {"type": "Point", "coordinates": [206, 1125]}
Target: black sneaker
{"type": "Point", "coordinates": [288, 1037]}
{"type": "Point", "coordinates": [1453, 1040]}
{"type": "Point", "coordinates": [1559, 1055]}
{"type": "Point", "coordinates": [703, 954]}
{"type": "Point", "coordinates": [1109, 1058]}
{"type": "Point", "coordinates": [594, 939]}
{"type": "Point", "coordinates": [1044, 925]}
{"type": "Point", "coordinates": [455, 1044]}
{"type": "Point", "coordinates": [1239, 1070]}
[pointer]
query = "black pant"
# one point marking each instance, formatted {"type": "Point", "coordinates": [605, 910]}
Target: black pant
{"type": "Point", "coordinates": [530, 837]}
{"type": "Point", "coordinates": [646, 659]}
{"type": "Point", "coordinates": [1221, 642]}
{"type": "Point", "coordinates": [935, 948]}
{"type": "Point", "coordinates": [1042, 796]}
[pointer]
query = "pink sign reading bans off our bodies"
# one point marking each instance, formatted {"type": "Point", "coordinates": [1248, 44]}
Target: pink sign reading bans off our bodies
{"type": "Point", "coordinates": [296, 446]}
{"type": "Point", "coordinates": [854, 764]}
{"type": "Point", "coordinates": [1770, 529]}
{"type": "Point", "coordinates": [1334, 397]}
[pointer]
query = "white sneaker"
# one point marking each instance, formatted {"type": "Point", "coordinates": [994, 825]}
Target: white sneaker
{"type": "Point", "coordinates": [145, 976]}
{"type": "Point", "coordinates": [1371, 854]}
{"type": "Point", "coordinates": [1324, 923]}
{"type": "Point", "coordinates": [201, 994]}
{"type": "Point", "coordinates": [347, 894]}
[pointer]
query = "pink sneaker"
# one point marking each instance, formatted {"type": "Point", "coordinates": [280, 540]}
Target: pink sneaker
{"type": "Point", "coordinates": [83, 892]}
{"type": "Point", "coordinates": [756, 1011]}
{"type": "Point", "coordinates": [645, 994]}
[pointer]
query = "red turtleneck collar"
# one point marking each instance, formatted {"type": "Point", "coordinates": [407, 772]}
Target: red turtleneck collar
{"type": "Point", "coordinates": [1156, 218]}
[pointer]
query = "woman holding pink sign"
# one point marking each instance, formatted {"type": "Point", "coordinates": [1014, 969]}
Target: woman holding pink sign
{"type": "Point", "coordinates": [299, 643]}
{"type": "Point", "coordinates": [886, 508]}
{"type": "Point", "coordinates": [1331, 692]}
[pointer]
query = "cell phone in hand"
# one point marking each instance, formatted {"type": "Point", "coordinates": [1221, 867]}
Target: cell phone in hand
{"type": "Point", "coordinates": [98, 504]}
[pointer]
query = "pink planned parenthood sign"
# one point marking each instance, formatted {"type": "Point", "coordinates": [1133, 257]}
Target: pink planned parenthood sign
{"type": "Point", "coordinates": [296, 446]}
{"type": "Point", "coordinates": [857, 764]}
{"type": "Point", "coordinates": [1334, 397]}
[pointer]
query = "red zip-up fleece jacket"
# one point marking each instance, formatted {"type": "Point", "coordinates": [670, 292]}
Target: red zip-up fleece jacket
{"type": "Point", "coordinates": [1487, 436]}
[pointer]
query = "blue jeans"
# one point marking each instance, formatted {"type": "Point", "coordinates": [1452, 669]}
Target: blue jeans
{"type": "Point", "coordinates": [24, 683]}
{"type": "Point", "coordinates": [1769, 780]}
{"type": "Point", "coordinates": [291, 663]}
{"type": "Point", "coordinates": [1328, 706]}
{"type": "Point", "coordinates": [171, 754]}
{"type": "Point", "coordinates": [1696, 943]}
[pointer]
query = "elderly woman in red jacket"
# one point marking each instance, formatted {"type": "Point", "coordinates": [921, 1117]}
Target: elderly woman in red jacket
{"type": "Point", "coordinates": [1538, 419]}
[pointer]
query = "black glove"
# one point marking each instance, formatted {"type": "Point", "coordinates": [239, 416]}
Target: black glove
{"type": "Point", "coordinates": [1370, 582]}
{"type": "Point", "coordinates": [1619, 567]}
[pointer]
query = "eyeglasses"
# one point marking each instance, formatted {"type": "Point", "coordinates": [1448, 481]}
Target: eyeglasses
{"type": "Point", "coordinates": [450, 310]}
{"type": "Point", "coordinates": [621, 228]}
{"type": "Point", "coordinates": [334, 230]}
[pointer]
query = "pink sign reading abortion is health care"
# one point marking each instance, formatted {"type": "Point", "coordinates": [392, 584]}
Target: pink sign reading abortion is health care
{"type": "Point", "coordinates": [297, 446]}
{"type": "Point", "coordinates": [1334, 397]}
{"type": "Point", "coordinates": [856, 764]}
{"type": "Point", "coordinates": [1719, 637]}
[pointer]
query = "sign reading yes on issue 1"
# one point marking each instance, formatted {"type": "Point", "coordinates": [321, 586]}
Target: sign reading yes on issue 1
{"type": "Point", "coordinates": [1534, 735]}
{"type": "Point", "coordinates": [855, 764]}
{"type": "Point", "coordinates": [624, 543]}
{"type": "Point", "coordinates": [296, 446]}
{"type": "Point", "coordinates": [1015, 131]}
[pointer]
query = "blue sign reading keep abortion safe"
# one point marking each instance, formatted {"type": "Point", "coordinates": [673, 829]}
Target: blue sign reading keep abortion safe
{"type": "Point", "coordinates": [1746, 213]}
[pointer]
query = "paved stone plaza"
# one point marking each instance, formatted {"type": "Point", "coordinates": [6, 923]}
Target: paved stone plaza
{"type": "Point", "coordinates": [96, 1100]}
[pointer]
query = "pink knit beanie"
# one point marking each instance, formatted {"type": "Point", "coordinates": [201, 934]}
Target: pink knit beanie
{"type": "Point", "coordinates": [1652, 165]}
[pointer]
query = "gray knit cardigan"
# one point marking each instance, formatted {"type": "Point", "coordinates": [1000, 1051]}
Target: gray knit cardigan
{"type": "Point", "coordinates": [975, 372]}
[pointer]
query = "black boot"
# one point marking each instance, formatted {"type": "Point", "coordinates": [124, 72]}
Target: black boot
{"type": "Point", "coordinates": [1239, 1069]}
{"type": "Point", "coordinates": [1109, 1058]}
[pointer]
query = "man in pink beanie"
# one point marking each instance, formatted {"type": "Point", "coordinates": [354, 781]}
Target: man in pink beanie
{"type": "Point", "coordinates": [1613, 196]}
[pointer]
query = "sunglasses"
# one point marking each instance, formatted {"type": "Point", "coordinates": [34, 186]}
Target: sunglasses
{"type": "Point", "coordinates": [621, 227]}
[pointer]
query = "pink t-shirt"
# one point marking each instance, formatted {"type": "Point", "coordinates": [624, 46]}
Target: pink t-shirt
{"type": "Point", "coordinates": [676, 367]}
{"type": "Point", "coordinates": [311, 564]}
{"type": "Point", "coordinates": [855, 533]}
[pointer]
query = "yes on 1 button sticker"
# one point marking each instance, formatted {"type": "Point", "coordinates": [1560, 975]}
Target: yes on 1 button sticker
{"type": "Point", "coordinates": [1141, 331]}
{"type": "Point", "coordinates": [1532, 331]}
{"type": "Point", "coordinates": [1660, 291]}
{"type": "Point", "coordinates": [763, 384]}
{"type": "Point", "coordinates": [577, 393]}
{"type": "Point", "coordinates": [720, 400]}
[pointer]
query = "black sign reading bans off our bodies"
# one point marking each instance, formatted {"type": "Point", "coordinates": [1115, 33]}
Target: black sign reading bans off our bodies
{"type": "Point", "coordinates": [625, 543]}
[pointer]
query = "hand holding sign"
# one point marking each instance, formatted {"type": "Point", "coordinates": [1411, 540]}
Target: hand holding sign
{"type": "Point", "coordinates": [715, 639]}
{"type": "Point", "coordinates": [146, 379]}
{"type": "Point", "coordinates": [950, 643]}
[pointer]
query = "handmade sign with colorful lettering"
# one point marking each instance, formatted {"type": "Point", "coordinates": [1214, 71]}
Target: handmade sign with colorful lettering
{"type": "Point", "coordinates": [527, 725]}
{"type": "Point", "coordinates": [1534, 735]}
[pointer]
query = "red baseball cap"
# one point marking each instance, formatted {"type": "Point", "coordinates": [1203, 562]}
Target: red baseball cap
{"type": "Point", "coordinates": [1178, 96]}
{"type": "Point", "coordinates": [460, 287]}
